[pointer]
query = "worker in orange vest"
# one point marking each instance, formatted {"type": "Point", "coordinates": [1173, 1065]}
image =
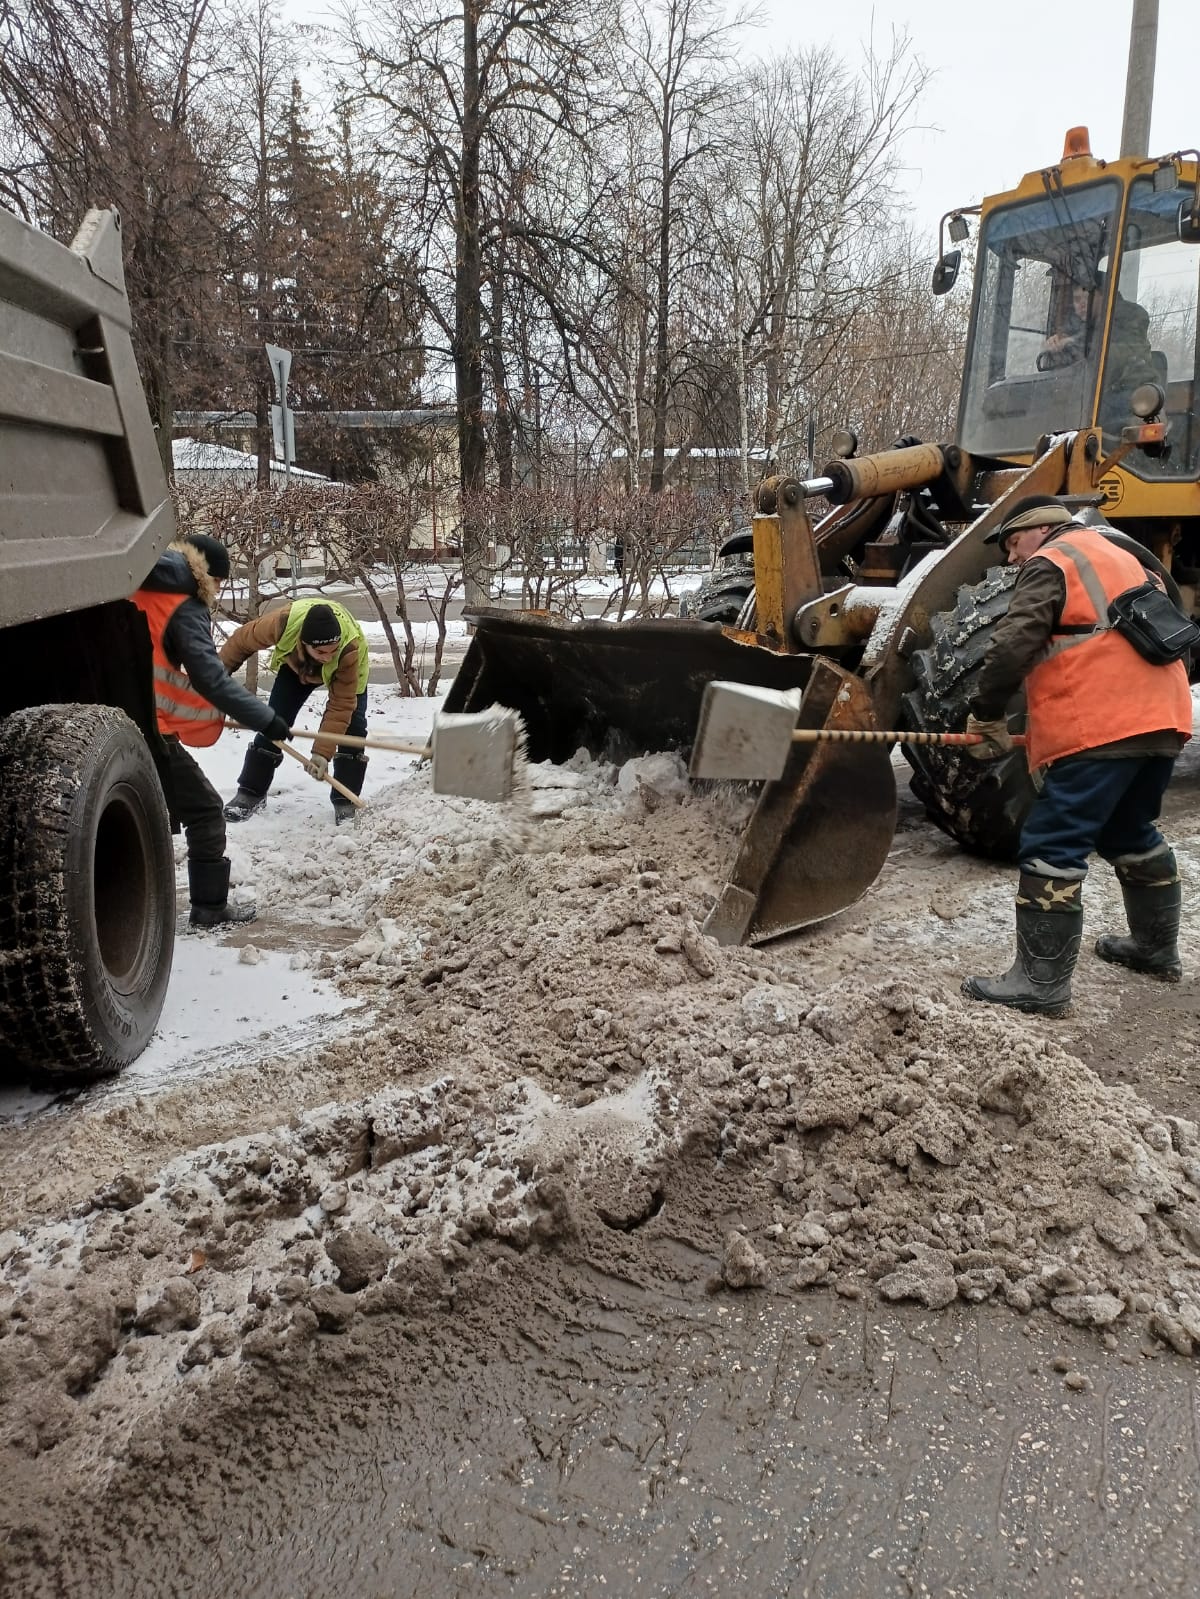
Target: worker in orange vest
{"type": "Point", "coordinates": [193, 693]}
{"type": "Point", "coordinates": [1105, 726]}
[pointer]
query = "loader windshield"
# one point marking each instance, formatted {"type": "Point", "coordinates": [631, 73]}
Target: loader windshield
{"type": "Point", "coordinates": [1153, 335]}
{"type": "Point", "coordinates": [1034, 354]}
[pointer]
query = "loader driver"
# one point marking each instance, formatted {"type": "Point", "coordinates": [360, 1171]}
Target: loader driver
{"type": "Point", "coordinates": [312, 642]}
{"type": "Point", "coordinates": [193, 693]}
{"type": "Point", "coordinates": [1105, 726]}
{"type": "Point", "coordinates": [1129, 360]}
{"type": "Point", "coordinates": [1066, 346]}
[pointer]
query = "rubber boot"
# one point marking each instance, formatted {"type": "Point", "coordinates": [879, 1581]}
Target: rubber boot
{"type": "Point", "coordinates": [258, 769]}
{"type": "Point", "coordinates": [350, 770]}
{"type": "Point", "coordinates": [1049, 914]}
{"type": "Point", "coordinates": [1153, 898]}
{"type": "Point", "coordinates": [208, 889]}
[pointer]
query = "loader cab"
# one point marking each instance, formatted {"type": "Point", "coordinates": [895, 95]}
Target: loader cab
{"type": "Point", "coordinates": [1086, 286]}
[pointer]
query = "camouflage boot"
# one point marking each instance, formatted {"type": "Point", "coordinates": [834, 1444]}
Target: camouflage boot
{"type": "Point", "coordinates": [1153, 898]}
{"type": "Point", "coordinates": [1049, 927]}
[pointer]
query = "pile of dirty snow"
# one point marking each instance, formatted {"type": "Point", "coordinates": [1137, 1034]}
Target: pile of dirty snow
{"type": "Point", "coordinates": [576, 1064]}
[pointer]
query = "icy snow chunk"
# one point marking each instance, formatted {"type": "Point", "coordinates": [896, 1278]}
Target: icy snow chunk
{"type": "Point", "coordinates": [654, 777]}
{"type": "Point", "coordinates": [772, 1008]}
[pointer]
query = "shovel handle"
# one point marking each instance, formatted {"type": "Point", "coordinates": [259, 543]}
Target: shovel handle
{"type": "Point", "coordinates": [834, 735]}
{"type": "Point", "coordinates": [332, 781]}
{"type": "Point", "coordinates": [352, 741]}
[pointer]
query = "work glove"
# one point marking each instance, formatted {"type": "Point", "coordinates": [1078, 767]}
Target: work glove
{"type": "Point", "coordinates": [997, 740]}
{"type": "Point", "coordinates": [278, 730]}
{"type": "Point", "coordinates": [317, 766]}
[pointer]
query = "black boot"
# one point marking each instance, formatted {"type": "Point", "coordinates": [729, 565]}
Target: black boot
{"type": "Point", "coordinates": [208, 888]}
{"type": "Point", "coordinates": [351, 770]}
{"type": "Point", "coordinates": [1049, 927]}
{"type": "Point", "coordinates": [1153, 898]}
{"type": "Point", "coordinates": [258, 769]}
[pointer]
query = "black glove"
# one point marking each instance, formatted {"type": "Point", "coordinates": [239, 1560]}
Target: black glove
{"type": "Point", "coordinates": [278, 730]}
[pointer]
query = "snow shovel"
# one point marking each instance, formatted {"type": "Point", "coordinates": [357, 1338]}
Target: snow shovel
{"type": "Point", "coordinates": [360, 804]}
{"type": "Point", "coordinates": [747, 734]}
{"type": "Point", "coordinates": [476, 754]}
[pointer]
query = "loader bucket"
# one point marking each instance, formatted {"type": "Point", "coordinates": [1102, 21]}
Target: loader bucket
{"type": "Point", "coordinates": [614, 688]}
{"type": "Point", "coordinates": [818, 837]}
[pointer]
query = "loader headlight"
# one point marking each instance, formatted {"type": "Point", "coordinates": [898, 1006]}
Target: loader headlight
{"type": "Point", "coordinates": [1147, 400]}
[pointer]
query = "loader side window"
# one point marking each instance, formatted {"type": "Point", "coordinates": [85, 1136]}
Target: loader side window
{"type": "Point", "coordinates": [1154, 329]}
{"type": "Point", "coordinates": [1034, 352]}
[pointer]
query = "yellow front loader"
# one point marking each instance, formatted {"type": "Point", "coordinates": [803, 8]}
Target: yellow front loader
{"type": "Point", "coordinates": [1081, 379]}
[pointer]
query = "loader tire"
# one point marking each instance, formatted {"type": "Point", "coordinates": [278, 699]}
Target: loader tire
{"type": "Point", "coordinates": [87, 893]}
{"type": "Point", "coordinates": [981, 804]}
{"type": "Point", "coordinates": [720, 598]}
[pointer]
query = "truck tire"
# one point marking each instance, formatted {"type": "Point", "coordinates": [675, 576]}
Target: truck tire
{"type": "Point", "coordinates": [87, 892]}
{"type": "Point", "coordinates": [981, 804]}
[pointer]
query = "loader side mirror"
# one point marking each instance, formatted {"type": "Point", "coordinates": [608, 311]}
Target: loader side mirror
{"type": "Point", "coordinates": [945, 273]}
{"type": "Point", "coordinates": [1187, 224]}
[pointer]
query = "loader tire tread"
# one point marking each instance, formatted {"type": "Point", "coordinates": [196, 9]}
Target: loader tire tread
{"type": "Point", "coordinates": [982, 805]}
{"type": "Point", "coordinates": [721, 596]}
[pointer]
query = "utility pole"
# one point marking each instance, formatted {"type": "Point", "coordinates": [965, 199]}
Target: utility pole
{"type": "Point", "coordinates": [1139, 79]}
{"type": "Point", "coordinates": [283, 430]}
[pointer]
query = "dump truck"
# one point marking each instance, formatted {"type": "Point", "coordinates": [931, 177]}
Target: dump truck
{"type": "Point", "coordinates": [87, 867]}
{"type": "Point", "coordinates": [1081, 379]}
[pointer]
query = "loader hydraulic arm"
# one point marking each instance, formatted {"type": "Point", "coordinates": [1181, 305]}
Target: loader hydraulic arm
{"type": "Point", "coordinates": [787, 567]}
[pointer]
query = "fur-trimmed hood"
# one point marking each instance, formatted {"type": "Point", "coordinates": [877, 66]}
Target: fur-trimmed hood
{"type": "Point", "coordinates": [181, 569]}
{"type": "Point", "coordinates": [207, 587]}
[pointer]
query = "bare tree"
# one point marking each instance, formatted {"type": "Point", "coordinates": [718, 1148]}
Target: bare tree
{"type": "Point", "coordinates": [682, 79]}
{"type": "Point", "coordinates": [454, 85]}
{"type": "Point", "coordinates": [108, 103]}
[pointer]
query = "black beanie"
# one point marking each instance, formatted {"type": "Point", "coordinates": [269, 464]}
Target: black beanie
{"type": "Point", "coordinates": [320, 626]}
{"type": "Point", "coordinates": [216, 556]}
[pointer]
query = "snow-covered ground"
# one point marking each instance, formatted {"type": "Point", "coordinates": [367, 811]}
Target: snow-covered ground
{"type": "Point", "coordinates": [228, 1000]}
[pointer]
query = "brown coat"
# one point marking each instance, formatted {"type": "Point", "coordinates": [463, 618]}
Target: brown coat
{"type": "Point", "coordinates": [263, 634]}
{"type": "Point", "coordinates": [1017, 645]}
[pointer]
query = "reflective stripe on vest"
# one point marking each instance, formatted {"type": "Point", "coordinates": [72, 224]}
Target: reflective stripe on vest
{"type": "Point", "coordinates": [1091, 687]}
{"type": "Point", "coordinates": [180, 711]}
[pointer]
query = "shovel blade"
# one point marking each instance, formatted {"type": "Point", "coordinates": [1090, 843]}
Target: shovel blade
{"type": "Point", "coordinates": [475, 754]}
{"type": "Point", "coordinates": [745, 733]}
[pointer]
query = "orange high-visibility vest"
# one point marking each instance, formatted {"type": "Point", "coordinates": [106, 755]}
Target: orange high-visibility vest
{"type": "Point", "coordinates": [181, 711]}
{"type": "Point", "coordinates": [1091, 686]}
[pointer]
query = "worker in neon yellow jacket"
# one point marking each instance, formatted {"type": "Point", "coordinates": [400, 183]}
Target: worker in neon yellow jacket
{"type": "Point", "coordinates": [314, 644]}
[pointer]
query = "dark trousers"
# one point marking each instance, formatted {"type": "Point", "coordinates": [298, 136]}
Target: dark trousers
{"type": "Point", "coordinates": [197, 805]}
{"type": "Point", "coordinates": [1110, 807]}
{"type": "Point", "coordinates": [287, 698]}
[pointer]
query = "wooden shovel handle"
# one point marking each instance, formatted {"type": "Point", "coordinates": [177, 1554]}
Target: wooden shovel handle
{"type": "Point", "coordinates": [332, 781]}
{"type": "Point", "coordinates": [834, 735]}
{"type": "Point", "coordinates": [352, 741]}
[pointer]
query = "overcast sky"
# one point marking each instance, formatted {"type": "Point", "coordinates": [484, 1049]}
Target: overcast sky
{"type": "Point", "coordinates": [1010, 77]}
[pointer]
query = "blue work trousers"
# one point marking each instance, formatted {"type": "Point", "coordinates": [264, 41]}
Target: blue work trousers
{"type": "Point", "coordinates": [288, 695]}
{"type": "Point", "coordinates": [1109, 807]}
